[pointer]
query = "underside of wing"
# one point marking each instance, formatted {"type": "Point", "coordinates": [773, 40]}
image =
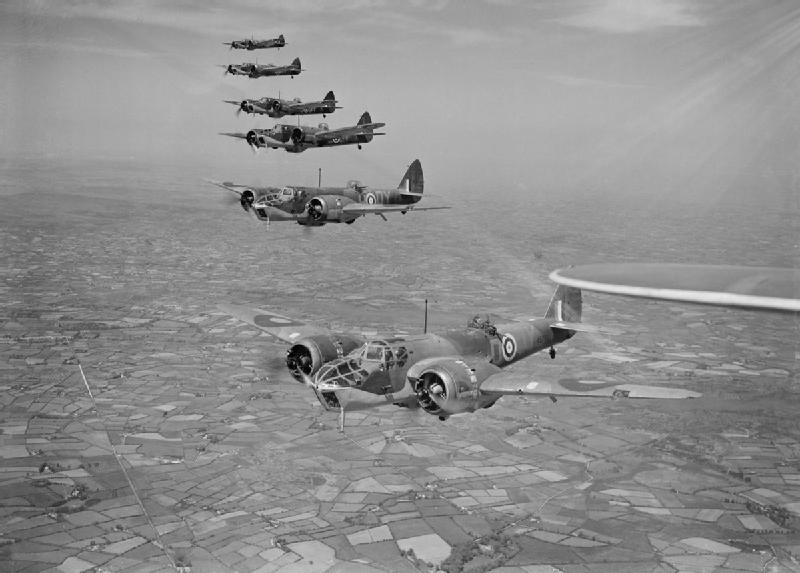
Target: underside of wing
{"type": "Point", "coordinates": [364, 129]}
{"type": "Point", "coordinates": [504, 385]}
{"type": "Point", "coordinates": [281, 327]}
{"type": "Point", "coordinates": [364, 208]}
{"type": "Point", "coordinates": [726, 285]}
{"type": "Point", "coordinates": [227, 185]}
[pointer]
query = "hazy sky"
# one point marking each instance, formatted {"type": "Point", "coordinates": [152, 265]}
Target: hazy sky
{"type": "Point", "coordinates": [646, 98]}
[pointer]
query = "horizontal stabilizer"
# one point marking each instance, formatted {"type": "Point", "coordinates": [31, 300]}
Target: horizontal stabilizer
{"type": "Point", "coordinates": [583, 388]}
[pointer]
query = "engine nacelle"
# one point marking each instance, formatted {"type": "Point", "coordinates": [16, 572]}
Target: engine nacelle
{"type": "Point", "coordinates": [447, 386]}
{"type": "Point", "coordinates": [308, 355]}
{"type": "Point", "coordinates": [327, 207]}
{"type": "Point", "coordinates": [247, 199]}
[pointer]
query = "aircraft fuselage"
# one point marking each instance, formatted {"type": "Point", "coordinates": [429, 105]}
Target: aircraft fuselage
{"type": "Point", "coordinates": [381, 367]}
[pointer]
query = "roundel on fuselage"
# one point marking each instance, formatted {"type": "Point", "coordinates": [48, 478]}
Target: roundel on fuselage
{"type": "Point", "coordinates": [371, 199]}
{"type": "Point", "coordinates": [509, 347]}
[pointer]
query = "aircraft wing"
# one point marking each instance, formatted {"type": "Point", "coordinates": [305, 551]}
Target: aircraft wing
{"type": "Point", "coordinates": [237, 134]}
{"type": "Point", "coordinates": [767, 288]}
{"type": "Point", "coordinates": [502, 385]}
{"type": "Point", "coordinates": [363, 129]}
{"type": "Point", "coordinates": [281, 327]}
{"type": "Point", "coordinates": [367, 208]}
{"type": "Point", "coordinates": [296, 106]}
{"type": "Point", "coordinates": [232, 187]}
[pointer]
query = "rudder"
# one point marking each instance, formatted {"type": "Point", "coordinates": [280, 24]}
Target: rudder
{"type": "Point", "coordinates": [412, 182]}
{"type": "Point", "coordinates": [566, 305]}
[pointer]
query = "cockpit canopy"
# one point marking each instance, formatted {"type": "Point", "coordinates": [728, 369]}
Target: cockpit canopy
{"type": "Point", "coordinates": [387, 354]}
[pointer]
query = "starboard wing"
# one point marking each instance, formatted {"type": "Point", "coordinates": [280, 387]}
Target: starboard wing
{"type": "Point", "coordinates": [365, 209]}
{"type": "Point", "coordinates": [505, 385]}
{"type": "Point", "coordinates": [232, 187]}
{"type": "Point", "coordinates": [767, 288]}
{"type": "Point", "coordinates": [363, 129]}
{"type": "Point", "coordinates": [281, 327]}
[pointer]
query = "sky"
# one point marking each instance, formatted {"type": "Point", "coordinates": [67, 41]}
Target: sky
{"type": "Point", "coordinates": [651, 100]}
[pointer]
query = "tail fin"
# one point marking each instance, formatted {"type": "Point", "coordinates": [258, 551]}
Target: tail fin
{"type": "Point", "coordinates": [365, 118]}
{"type": "Point", "coordinates": [281, 38]}
{"type": "Point", "coordinates": [329, 96]}
{"type": "Point", "coordinates": [411, 184]}
{"type": "Point", "coordinates": [296, 63]}
{"type": "Point", "coordinates": [565, 306]}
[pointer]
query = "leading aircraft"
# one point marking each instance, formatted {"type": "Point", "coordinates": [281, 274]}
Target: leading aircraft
{"type": "Point", "coordinates": [298, 138]}
{"type": "Point", "coordinates": [263, 70]}
{"type": "Point", "coordinates": [277, 107]}
{"type": "Point", "coordinates": [251, 44]}
{"type": "Point", "coordinates": [316, 206]}
{"type": "Point", "coordinates": [459, 371]}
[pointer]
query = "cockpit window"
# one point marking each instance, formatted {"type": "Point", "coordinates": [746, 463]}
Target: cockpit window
{"type": "Point", "coordinates": [374, 352]}
{"type": "Point", "coordinates": [287, 191]}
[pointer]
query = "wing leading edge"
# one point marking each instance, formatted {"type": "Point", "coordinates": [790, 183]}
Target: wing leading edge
{"type": "Point", "coordinates": [767, 288]}
{"type": "Point", "coordinates": [502, 385]}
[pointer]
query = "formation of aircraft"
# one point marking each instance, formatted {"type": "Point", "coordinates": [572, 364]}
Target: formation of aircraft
{"type": "Point", "coordinates": [277, 107]}
{"type": "Point", "coordinates": [763, 288]}
{"type": "Point", "coordinates": [251, 44]}
{"type": "Point", "coordinates": [298, 138]}
{"type": "Point", "coordinates": [460, 371]}
{"type": "Point", "coordinates": [264, 70]}
{"type": "Point", "coordinates": [316, 206]}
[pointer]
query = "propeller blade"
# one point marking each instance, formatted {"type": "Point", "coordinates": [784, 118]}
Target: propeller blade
{"type": "Point", "coordinates": [238, 111]}
{"type": "Point", "coordinates": [308, 381]}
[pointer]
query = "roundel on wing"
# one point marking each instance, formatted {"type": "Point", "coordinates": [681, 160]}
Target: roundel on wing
{"type": "Point", "coordinates": [509, 346]}
{"type": "Point", "coordinates": [267, 320]}
{"type": "Point", "coordinates": [371, 198]}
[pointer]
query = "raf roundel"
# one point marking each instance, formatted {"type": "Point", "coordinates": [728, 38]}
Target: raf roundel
{"type": "Point", "coordinates": [371, 198]}
{"type": "Point", "coordinates": [267, 320]}
{"type": "Point", "coordinates": [509, 346]}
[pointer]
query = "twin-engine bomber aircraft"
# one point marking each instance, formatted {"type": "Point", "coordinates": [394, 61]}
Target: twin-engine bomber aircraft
{"type": "Point", "coordinates": [263, 70]}
{"type": "Point", "coordinates": [316, 206]}
{"type": "Point", "coordinates": [456, 372]}
{"type": "Point", "coordinates": [252, 44]}
{"type": "Point", "coordinates": [277, 107]}
{"type": "Point", "coordinates": [298, 138]}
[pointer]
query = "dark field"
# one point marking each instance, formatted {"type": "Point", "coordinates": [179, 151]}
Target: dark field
{"type": "Point", "coordinates": [189, 444]}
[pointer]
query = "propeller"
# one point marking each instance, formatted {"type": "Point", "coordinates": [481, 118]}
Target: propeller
{"type": "Point", "coordinates": [251, 141]}
{"type": "Point", "coordinates": [308, 380]}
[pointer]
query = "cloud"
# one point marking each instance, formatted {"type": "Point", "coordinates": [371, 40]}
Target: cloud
{"type": "Point", "coordinates": [633, 16]}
